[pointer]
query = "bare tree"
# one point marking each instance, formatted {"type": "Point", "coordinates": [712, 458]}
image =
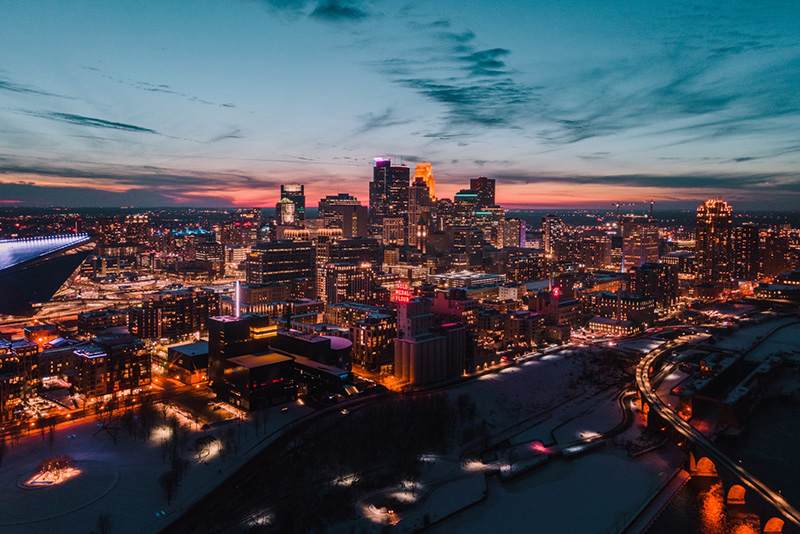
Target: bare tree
{"type": "Point", "coordinates": [168, 484]}
{"type": "Point", "coordinates": [104, 524]}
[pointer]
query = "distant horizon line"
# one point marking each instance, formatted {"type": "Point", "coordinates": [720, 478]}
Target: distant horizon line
{"type": "Point", "coordinates": [673, 206]}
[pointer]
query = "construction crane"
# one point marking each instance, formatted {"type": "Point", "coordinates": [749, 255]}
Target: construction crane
{"type": "Point", "coordinates": [651, 201]}
{"type": "Point", "coordinates": [619, 205]}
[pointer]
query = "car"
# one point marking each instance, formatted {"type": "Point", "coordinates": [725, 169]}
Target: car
{"type": "Point", "coordinates": [285, 409]}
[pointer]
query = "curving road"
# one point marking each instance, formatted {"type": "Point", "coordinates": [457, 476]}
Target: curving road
{"type": "Point", "coordinates": [698, 439]}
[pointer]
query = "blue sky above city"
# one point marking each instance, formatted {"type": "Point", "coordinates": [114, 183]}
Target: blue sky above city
{"type": "Point", "coordinates": [573, 103]}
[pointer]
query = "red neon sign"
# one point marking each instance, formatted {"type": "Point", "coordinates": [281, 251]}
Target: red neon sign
{"type": "Point", "coordinates": [403, 293]}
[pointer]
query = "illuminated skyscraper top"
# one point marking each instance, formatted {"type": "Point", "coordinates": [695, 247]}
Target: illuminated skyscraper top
{"type": "Point", "coordinates": [296, 193]}
{"type": "Point", "coordinates": [485, 188]}
{"type": "Point", "coordinates": [424, 171]}
{"type": "Point", "coordinates": [713, 241]}
{"type": "Point", "coordinates": [388, 193]}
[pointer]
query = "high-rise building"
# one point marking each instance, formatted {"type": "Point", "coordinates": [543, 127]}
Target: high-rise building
{"type": "Point", "coordinates": [775, 257]}
{"type": "Point", "coordinates": [491, 221]}
{"type": "Point", "coordinates": [242, 228]}
{"type": "Point", "coordinates": [514, 231]}
{"type": "Point", "coordinates": [553, 230]}
{"type": "Point", "coordinates": [373, 341]}
{"type": "Point", "coordinates": [595, 249]}
{"type": "Point", "coordinates": [280, 261]}
{"type": "Point", "coordinates": [394, 231]}
{"type": "Point", "coordinates": [713, 241]}
{"type": "Point", "coordinates": [388, 193]}
{"type": "Point", "coordinates": [465, 204]}
{"type": "Point", "coordinates": [296, 193]}
{"type": "Point", "coordinates": [137, 228]}
{"type": "Point", "coordinates": [485, 188]}
{"type": "Point", "coordinates": [174, 313]}
{"type": "Point", "coordinates": [444, 213]}
{"type": "Point", "coordinates": [348, 282]}
{"type": "Point", "coordinates": [345, 212]}
{"type": "Point", "coordinates": [639, 240]}
{"type": "Point", "coordinates": [357, 251]}
{"type": "Point", "coordinates": [419, 212]}
{"type": "Point", "coordinates": [424, 172]}
{"type": "Point", "coordinates": [746, 244]}
{"type": "Point", "coordinates": [111, 365]}
{"type": "Point", "coordinates": [657, 280]}
{"type": "Point", "coordinates": [286, 213]}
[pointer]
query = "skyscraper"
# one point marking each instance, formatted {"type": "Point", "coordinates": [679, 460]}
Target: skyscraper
{"type": "Point", "coordinates": [280, 261]}
{"type": "Point", "coordinates": [746, 243]}
{"type": "Point", "coordinates": [552, 230]}
{"type": "Point", "coordinates": [424, 172]}
{"type": "Point", "coordinates": [465, 204]}
{"type": "Point", "coordinates": [639, 240]}
{"type": "Point", "coordinates": [296, 193]}
{"type": "Point", "coordinates": [242, 229]}
{"type": "Point", "coordinates": [775, 256]}
{"type": "Point", "coordinates": [485, 188]}
{"type": "Point", "coordinates": [388, 193]}
{"type": "Point", "coordinates": [713, 241]}
{"type": "Point", "coordinates": [347, 282]}
{"type": "Point", "coordinates": [514, 233]}
{"type": "Point", "coordinates": [136, 228]}
{"type": "Point", "coordinates": [286, 213]}
{"type": "Point", "coordinates": [419, 210]}
{"type": "Point", "coordinates": [345, 212]}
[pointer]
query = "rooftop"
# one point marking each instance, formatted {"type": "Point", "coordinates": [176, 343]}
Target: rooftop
{"type": "Point", "coordinates": [16, 251]}
{"type": "Point", "coordinates": [252, 361]}
{"type": "Point", "coordinates": [192, 349]}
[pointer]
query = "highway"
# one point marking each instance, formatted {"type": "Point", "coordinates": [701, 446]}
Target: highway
{"type": "Point", "coordinates": [694, 436]}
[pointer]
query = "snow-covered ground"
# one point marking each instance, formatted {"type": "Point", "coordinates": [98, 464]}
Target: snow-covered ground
{"type": "Point", "coordinates": [744, 337]}
{"type": "Point", "coordinates": [599, 492]}
{"type": "Point", "coordinates": [559, 401]}
{"type": "Point", "coordinates": [783, 341]}
{"type": "Point", "coordinates": [118, 479]}
{"type": "Point", "coordinates": [520, 391]}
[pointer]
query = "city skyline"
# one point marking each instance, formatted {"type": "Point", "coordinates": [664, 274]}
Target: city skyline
{"type": "Point", "coordinates": [574, 105]}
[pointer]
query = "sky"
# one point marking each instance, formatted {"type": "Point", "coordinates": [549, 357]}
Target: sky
{"type": "Point", "coordinates": [566, 104]}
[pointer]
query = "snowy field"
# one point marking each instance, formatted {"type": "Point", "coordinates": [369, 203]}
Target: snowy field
{"type": "Point", "coordinates": [599, 492]}
{"type": "Point", "coordinates": [744, 337]}
{"type": "Point", "coordinates": [557, 495]}
{"type": "Point", "coordinates": [521, 391]}
{"type": "Point", "coordinates": [118, 479]}
{"type": "Point", "coordinates": [785, 341]}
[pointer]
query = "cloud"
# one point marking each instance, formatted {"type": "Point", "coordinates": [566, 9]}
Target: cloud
{"type": "Point", "coordinates": [7, 85]}
{"type": "Point", "coordinates": [777, 182]}
{"type": "Point", "coordinates": [110, 185]}
{"type": "Point", "coordinates": [234, 133]}
{"type": "Point", "coordinates": [474, 86]}
{"type": "Point", "coordinates": [487, 62]}
{"type": "Point", "coordinates": [80, 120]}
{"type": "Point", "coordinates": [335, 10]}
{"type": "Point", "coordinates": [385, 119]}
{"type": "Point", "coordinates": [463, 37]}
{"type": "Point", "coordinates": [158, 88]}
{"type": "Point", "coordinates": [489, 104]}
